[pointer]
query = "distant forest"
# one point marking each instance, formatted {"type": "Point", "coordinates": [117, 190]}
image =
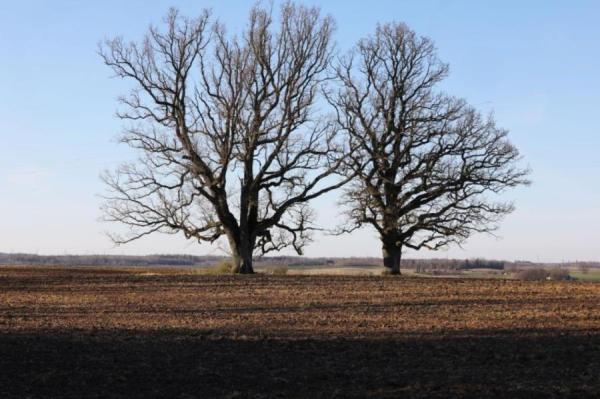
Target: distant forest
{"type": "Point", "coordinates": [289, 261]}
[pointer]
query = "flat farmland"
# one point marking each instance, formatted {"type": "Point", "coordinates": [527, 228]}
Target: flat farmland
{"type": "Point", "coordinates": [157, 333]}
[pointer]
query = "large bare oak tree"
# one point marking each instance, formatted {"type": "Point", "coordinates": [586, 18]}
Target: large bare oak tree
{"type": "Point", "coordinates": [231, 143]}
{"type": "Point", "coordinates": [428, 165]}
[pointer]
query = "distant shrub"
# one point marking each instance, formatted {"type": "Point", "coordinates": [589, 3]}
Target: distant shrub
{"type": "Point", "coordinates": [559, 275]}
{"type": "Point", "coordinates": [543, 274]}
{"type": "Point", "coordinates": [279, 270]}
{"type": "Point", "coordinates": [482, 264]}
{"type": "Point", "coordinates": [532, 275]}
{"type": "Point", "coordinates": [225, 266]}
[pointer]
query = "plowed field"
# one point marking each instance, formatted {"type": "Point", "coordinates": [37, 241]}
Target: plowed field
{"type": "Point", "coordinates": [132, 333]}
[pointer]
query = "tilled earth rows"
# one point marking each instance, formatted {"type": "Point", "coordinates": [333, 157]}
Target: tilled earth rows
{"type": "Point", "coordinates": [132, 333]}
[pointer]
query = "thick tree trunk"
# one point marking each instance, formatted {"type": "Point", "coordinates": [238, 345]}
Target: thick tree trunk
{"type": "Point", "coordinates": [242, 260]}
{"type": "Point", "coordinates": [392, 256]}
{"type": "Point", "coordinates": [242, 263]}
{"type": "Point", "coordinates": [242, 255]}
{"type": "Point", "coordinates": [246, 263]}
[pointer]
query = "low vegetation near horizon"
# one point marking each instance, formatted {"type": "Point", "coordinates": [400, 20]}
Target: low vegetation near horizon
{"type": "Point", "coordinates": [440, 267]}
{"type": "Point", "coordinates": [150, 333]}
{"type": "Point", "coordinates": [473, 269]}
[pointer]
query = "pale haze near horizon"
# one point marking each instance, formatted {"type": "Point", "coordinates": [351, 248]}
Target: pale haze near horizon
{"type": "Point", "coordinates": [535, 65]}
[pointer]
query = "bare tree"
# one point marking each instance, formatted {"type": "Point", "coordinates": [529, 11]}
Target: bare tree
{"type": "Point", "coordinates": [231, 144]}
{"type": "Point", "coordinates": [427, 164]}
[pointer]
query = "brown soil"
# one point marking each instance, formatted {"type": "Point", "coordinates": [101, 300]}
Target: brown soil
{"type": "Point", "coordinates": [118, 333]}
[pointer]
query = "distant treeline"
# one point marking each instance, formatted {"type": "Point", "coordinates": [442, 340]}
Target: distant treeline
{"type": "Point", "coordinates": [107, 260]}
{"type": "Point", "coordinates": [420, 265]}
{"type": "Point", "coordinates": [154, 260]}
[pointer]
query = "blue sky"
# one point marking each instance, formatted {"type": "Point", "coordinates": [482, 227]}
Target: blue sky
{"type": "Point", "coordinates": [535, 64]}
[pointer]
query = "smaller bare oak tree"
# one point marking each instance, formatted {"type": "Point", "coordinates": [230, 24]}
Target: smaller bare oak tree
{"type": "Point", "coordinates": [231, 143]}
{"type": "Point", "coordinates": [428, 165]}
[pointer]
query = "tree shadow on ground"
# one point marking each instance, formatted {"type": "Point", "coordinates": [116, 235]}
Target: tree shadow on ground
{"type": "Point", "coordinates": [193, 364]}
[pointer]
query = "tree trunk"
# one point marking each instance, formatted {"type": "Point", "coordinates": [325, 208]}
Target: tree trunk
{"type": "Point", "coordinates": [246, 250]}
{"type": "Point", "coordinates": [392, 256]}
{"type": "Point", "coordinates": [241, 252]}
{"type": "Point", "coordinates": [242, 263]}
{"type": "Point", "coordinates": [246, 263]}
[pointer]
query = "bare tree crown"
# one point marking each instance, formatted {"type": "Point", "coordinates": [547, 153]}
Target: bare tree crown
{"type": "Point", "coordinates": [428, 164]}
{"type": "Point", "coordinates": [230, 142]}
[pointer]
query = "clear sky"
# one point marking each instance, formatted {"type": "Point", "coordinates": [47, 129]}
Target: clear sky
{"type": "Point", "coordinates": [536, 64]}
